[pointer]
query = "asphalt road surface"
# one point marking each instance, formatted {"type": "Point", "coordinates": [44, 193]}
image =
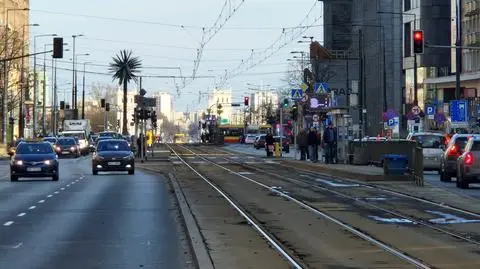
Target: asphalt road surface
{"type": "Point", "coordinates": [84, 221]}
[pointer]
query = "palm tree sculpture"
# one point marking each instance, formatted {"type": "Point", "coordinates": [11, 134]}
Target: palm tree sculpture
{"type": "Point", "coordinates": [124, 68]}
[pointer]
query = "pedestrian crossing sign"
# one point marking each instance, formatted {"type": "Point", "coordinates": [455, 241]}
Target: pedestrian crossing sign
{"type": "Point", "coordinates": [320, 87]}
{"type": "Point", "coordinates": [296, 94]}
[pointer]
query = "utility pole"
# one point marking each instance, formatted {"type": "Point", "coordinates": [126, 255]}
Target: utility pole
{"type": "Point", "coordinates": [55, 100]}
{"type": "Point", "coordinates": [44, 94]}
{"type": "Point", "coordinates": [458, 50]}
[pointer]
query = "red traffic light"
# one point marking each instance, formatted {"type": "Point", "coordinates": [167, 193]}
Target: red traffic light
{"type": "Point", "coordinates": [418, 35]}
{"type": "Point", "coordinates": [246, 100]}
{"type": "Point", "coordinates": [418, 42]}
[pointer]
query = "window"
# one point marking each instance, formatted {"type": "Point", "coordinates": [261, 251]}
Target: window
{"type": "Point", "coordinates": [407, 5]}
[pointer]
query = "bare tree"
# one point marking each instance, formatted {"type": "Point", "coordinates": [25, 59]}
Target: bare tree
{"type": "Point", "coordinates": [93, 109]}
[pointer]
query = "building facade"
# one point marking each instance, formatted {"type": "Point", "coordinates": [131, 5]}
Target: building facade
{"type": "Point", "coordinates": [221, 97]}
{"type": "Point", "coordinates": [263, 103]}
{"type": "Point", "coordinates": [164, 104]}
{"type": "Point", "coordinates": [117, 106]}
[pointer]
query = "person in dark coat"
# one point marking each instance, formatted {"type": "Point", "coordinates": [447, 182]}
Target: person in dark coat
{"type": "Point", "coordinates": [330, 143]}
{"type": "Point", "coordinates": [313, 142]}
{"type": "Point", "coordinates": [269, 141]}
{"type": "Point", "coordinates": [302, 141]}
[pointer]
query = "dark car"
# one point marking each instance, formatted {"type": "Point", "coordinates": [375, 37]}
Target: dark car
{"type": "Point", "coordinates": [110, 134]}
{"type": "Point", "coordinates": [52, 140]}
{"type": "Point", "coordinates": [67, 147]}
{"type": "Point", "coordinates": [259, 141]}
{"type": "Point", "coordinates": [34, 159]}
{"type": "Point", "coordinates": [101, 138]}
{"type": "Point", "coordinates": [113, 155]}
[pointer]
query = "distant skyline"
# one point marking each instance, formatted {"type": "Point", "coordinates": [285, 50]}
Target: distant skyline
{"type": "Point", "coordinates": [166, 37]}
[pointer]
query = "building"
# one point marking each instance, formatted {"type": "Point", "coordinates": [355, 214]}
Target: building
{"type": "Point", "coordinates": [338, 24]}
{"type": "Point", "coordinates": [164, 104]}
{"type": "Point", "coordinates": [224, 98]}
{"type": "Point", "coordinates": [117, 106]}
{"type": "Point", "coordinates": [15, 16]}
{"type": "Point", "coordinates": [262, 105]}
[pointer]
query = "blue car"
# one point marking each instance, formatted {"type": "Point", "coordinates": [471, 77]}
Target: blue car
{"type": "Point", "coordinates": [34, 159]}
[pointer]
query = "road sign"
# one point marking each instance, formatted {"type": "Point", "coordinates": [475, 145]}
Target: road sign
{"type": "Point", "coordinates": [458, 110]}
{"type": "Point", "coordinates": [316, 118]}
{"type": "Point", "coordinates": [392, 122]}
{"type": "Point", "coordinates": [296, 94]}
{"type": "Point", "coordinates": [430, 111]}
{"type": "Point", "coordinates": [320, 87]}
{"type": "Point", "coordinates": [416, 110]}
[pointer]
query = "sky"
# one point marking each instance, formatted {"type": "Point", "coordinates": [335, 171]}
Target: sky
{"type": "Point", "coordinates": [166, 36]}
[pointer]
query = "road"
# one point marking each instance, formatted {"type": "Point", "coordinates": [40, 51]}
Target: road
{"type": "Point", "coordinates": [84, 221]}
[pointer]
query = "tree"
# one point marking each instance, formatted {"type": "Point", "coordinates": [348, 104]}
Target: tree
{"type": "Point", "coordinates": [93, 110]}
{"type": "Point", "coordinates": [124, 69]}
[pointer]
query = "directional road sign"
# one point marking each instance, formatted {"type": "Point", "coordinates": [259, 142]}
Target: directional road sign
{"type": "Point", "coordinates": [430, 111]}
{"type": "Point", "coordinates": [296, 94]}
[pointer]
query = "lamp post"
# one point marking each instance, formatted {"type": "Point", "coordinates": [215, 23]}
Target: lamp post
{"type": "Point", "coordinates": [35, 83]}
{"type": "Point", "coordinates": [21, 119]}
{"type": "Point", "coordinates": [83, 90]}
{"type": "Point", "coordinates": [74, 76]}
{"type": "Point", "coordinates": [5, 75]}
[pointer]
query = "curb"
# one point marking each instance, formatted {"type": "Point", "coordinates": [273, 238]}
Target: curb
{"type": "Point", "coordinates": [195, 237]}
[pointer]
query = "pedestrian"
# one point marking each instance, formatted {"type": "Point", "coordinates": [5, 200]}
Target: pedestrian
{"type": "Point", "coordinates": [269, 141]}
{"type": "Point", "coordinates": [330, 143]}
{"type": "Point", "coordinates": [139, 145]}
{"type": "Point", "coordinates": [302, 141]}
{"type": "Point", "coordinates": [312, 141]}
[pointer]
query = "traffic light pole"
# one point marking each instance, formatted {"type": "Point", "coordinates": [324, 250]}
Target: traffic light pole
{"type": "Point", "coordinates": [281, 131]}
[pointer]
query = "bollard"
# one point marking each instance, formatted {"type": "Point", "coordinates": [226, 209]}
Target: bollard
{"type": "Point", "coordinates": [277, 149]}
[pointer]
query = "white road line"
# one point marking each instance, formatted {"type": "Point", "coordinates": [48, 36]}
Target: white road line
{"type": "Point", "coordinates": [56, 192]}
{"type": "Point", "coordinates": [62, 189]}
{"type": "Point", "coordinates": [18, 245]}
{"type": "Point", "coordinates": [21, 214]}
{"type": "Point", "coordinates": [48, 196]}
{"type": "Point", "coordinates": [32, 207]}
{"type": "Point", "coordinates": [41, 201]}
{"type": "Point", "coordinates": [68, 185]}
{"type": "Point", "coordinates": [73, 182]}
{"type": "Point", "coordinates": [8, 223]}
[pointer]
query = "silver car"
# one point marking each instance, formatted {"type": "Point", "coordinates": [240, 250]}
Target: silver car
{"type": "Point", "coordinates": [468, 164]}
{"type": "Point", "coordinates": [433, 147]}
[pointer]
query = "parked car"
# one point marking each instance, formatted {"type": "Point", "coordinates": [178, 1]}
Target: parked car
{"type": "Point", "coordinates": [468, 164]}
{"type": "Point", "coordinates": [433, 147]}
{"type": "Point", "coordinates": [250, 138]}
{"type": "Point", "coordinates": [259, 141]}
{"type": "Point", "coordinates": [455, 149]}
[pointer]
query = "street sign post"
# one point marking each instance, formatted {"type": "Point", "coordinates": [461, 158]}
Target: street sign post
{"type": "Point", "coordinates": [430, 109]}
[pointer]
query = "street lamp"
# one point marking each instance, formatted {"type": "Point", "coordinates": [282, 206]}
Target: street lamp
{"type": "Point", "coordinates": [21, 120]}
{"type": "Point", "coordinates": [83, 90]}
{"type": "Point", "coordinates": [74, 75]}
{"type": "Point", "coordinates": [5, 75]}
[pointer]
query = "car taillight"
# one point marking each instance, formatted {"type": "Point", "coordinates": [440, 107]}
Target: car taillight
{"type": "Point", "coordinates": [468, 159]}
{"type": "Point", "coordinates": [453, 150]}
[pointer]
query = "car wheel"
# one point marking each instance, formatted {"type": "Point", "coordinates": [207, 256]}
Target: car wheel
{"type": "Point", "coordinates": [94, 172]}
{"type": "Point", "coordinates": [131, 172]}
{"type": "Point", "coordinates": [13, 178]}
{"type": "Point", "coordinates": [55, 177]}
{"type": "Point", "coordinates": [444, 177]}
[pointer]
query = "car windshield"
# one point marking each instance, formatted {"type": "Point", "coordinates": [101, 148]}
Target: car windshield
{"type": "Point", "coordinates": [429, 141]}
{"type": "Point", "coordinates": [461, 142]}
{"type": "Point", "coordinates": [40, 148]}
{"type": "Point", "coordinates": [107, 134]}
{"type": "Point", "coordinates": [110, 145]}
{"type": "Point", "coordinates": [66, 142]}
{"type": "Point", "coordinates": [79, 135]}
{"type": "Point", "coordinates": [50, 139]}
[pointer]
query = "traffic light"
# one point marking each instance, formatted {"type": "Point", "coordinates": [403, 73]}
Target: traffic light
{"type": "Point", "coordinates": [294, 112]}
{"type": "Point", "coordinates": [62, 105]}
{"type": "Point", "coordinates": [246, 100]}
{"type": "Point", "coordinates": [57, 47]}
{"type": "Point", "coordinates": [102, 103]}
{"type": "Point", "coordinates": [107, 107]}
{"type": "Point", "coordinates": [285, 103]}
{"type": "Point", "coordinates": [133, 118]}
{"type": "Point", "coordinates": [418, 42]}
{"type": "Point", "coordinates": [67, 106]}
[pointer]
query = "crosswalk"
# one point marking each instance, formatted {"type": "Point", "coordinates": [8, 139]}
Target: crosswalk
{"type": "Point", "coordinates": [223, 160]}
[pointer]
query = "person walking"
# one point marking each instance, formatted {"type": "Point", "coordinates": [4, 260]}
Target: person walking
{"type": "Point", "coordinates": [330, 143]}
{"type": "Point", "coordinates": [269, 141]}
{"type": "Point", "coordinates": [312, 141]}
{"type": "Point", "coordinates": [302, 141]}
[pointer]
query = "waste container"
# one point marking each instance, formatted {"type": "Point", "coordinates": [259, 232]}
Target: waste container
{"type": "Point", "coordinates": [394, 164]}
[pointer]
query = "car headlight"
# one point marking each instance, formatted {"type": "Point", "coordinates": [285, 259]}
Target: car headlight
{"type": "Point", "coordinates": [19, 162]}
{"type": "Point", "coordinates": [73, 148]}
{"type": "Point", "coordinates": [48, 162]}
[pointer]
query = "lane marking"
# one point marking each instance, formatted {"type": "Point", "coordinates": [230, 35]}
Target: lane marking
{"type": "Point", "coordinates": [32, 207]}
{"type": "Point", "coordinates": [18, 245]}
{"type": "Point", "coordinates": [245, 173]}
{"type": "Point", "coordinates": [56, 192]}
{"type": "Point", "coordinates": [8, 223]}
{"type": "Point", "coordinates": [48, 196]}
{"type": "Point", "coordinates": [62, 189]}
{"type": "Point", "coordinates": [73, 182]}
{"type": "Point", "coordinates": [68, 185]}
{"type": "Point", "coordinates": [21, 214]}
{"type": "Point", "coordinates": [41, 201]}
